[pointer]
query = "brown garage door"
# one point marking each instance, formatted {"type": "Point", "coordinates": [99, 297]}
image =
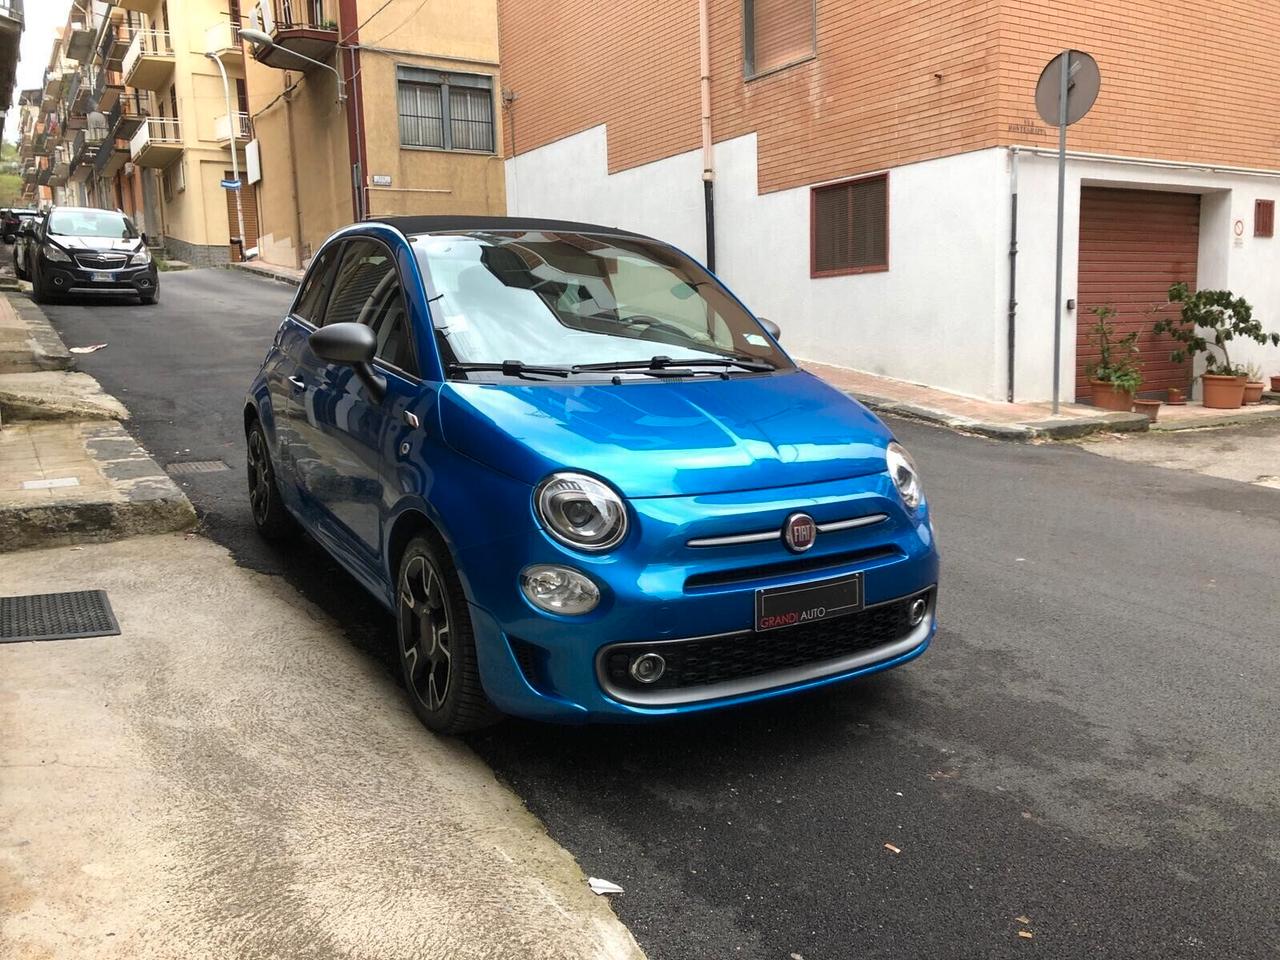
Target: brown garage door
{"type": "Point", "coordinates": [249, 206]}
{"type": "Point", "coordinates": [1134, 244]}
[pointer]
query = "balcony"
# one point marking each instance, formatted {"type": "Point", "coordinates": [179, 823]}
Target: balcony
{"type": "Point", "coordinates": [306, 27]}
{"type": "Point", "coordinates": [157, 142]}
{"type": "Point", "coordinates": [222, 40]}
{"type": "Point", "coordinates": [11, 18]}
{"type": "Point", "coordinates": [80, 42]}
{"type": "Point", "coordinates": [127, 115]}
{"type": "Point", "coordinates": [112, 155]}
{"type": "Point", "coordinates": [84, 151]}
{"type": "Point", "coordinates": [148, 63]}
{"type": "Point", "coordinates": [60, 169]}
{"type": "Point", "coordinates": [222, 128]}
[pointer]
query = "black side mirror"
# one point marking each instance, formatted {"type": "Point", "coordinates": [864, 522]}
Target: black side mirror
{"type": "Point", "coordinates": [771, 328]}
{"type": "Point", "coordinates": [354, 345]}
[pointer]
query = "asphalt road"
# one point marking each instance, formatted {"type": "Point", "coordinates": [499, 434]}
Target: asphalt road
{"type": "Point", "coordinates": [1087, 754]}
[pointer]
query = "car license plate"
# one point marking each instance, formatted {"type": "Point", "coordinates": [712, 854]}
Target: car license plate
{"type": "Point", "coordinates": [791, 606]}
{"type": "Point", "coordinates": [99, 277]}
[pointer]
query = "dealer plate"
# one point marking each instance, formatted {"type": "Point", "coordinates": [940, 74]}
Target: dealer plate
{"type": "Point", "coordinates": [807, 603]}
{"type": "Point", "coordinates": [99, 277]}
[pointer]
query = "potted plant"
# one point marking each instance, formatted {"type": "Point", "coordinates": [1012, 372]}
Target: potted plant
{"type": "Point", "coordinates": [1176, 397]}
{"type": "Point", "coordinates": [1115, 378]}
{"type": "Point", "coordinates": [1253, 385]}
{"type": "Point", "coordinates": [1275, 384]}
{"type": "Point", "coordinates": [1222, 317]}
{"type": "Point", "coordinates": [1151, 408]}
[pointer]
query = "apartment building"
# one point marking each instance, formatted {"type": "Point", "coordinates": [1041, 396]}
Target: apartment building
{"type": "Point", "coordinates": [12, 21]}
{"type": "Point", "coordinates": [366, 108]}
{"type": "Point", "coordinates": [863, 161]}
{"type": "Point", "coordinates": [134, 114]}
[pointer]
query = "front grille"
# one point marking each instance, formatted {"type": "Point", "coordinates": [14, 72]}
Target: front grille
{"type": "Point", "coordinates": [786, 568]}
{"type": "Point", "coordinates": [741, 656]}
{"type": "Point", "coordinates": [101, 261]}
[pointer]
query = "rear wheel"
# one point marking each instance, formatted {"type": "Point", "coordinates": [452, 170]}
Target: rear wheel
{"type": "Point", "coordinates": [269, 514]}
{"type": "Point", "coordinates": [436, 643]}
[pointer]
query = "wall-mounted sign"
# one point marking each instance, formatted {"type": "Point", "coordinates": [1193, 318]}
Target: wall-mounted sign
{"type": "Point", "coordinates": [1238, 228]}
{"type": "Point", "coordinates": [230, 184]}
{"type": "Point", "coordinates": [253, 161]}
{"type": "Point", "coordinates": [381, 180]}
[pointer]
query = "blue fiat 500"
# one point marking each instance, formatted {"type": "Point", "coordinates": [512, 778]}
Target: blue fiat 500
{"type": "Point", "coordinates": [587, 481]}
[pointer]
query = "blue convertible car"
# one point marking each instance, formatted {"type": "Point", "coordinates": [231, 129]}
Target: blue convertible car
{"type": "Point", "coordinates": [587, 481]}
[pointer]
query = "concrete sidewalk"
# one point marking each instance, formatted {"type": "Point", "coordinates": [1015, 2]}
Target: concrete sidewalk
{"type": "Point", "coordinates": [69, 473]}
{"type": "Point", "coordinates": [272, 271]}
{"type": "Point", "coordinates": [230, 777]}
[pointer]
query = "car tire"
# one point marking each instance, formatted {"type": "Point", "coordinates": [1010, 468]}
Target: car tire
{"type": "Point", "coordinates": [39, 292]}
{"type": "Point", "coordinates": [17, 270]}
{"type": "Point", "coordinates": [270, 516]}
{"type": "Point", "coordinates": [150, 299]}
{"type": "Point", "coordinates": [436, 644]}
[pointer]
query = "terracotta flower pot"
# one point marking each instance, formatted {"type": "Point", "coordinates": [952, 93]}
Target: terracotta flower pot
{"type": "Point", "coordinates": [1108, 397]}
{"type": "Point", "coordinates": [1253, 391]}
{"type": "Point", "coordinates": [1177, 397]}
{"type": "Point", "coordinates": [1275, 384]}
{"type": "Point", "coordinates": [1150, 407]}
{"type": "Point", "coordinates": [1223, 393]}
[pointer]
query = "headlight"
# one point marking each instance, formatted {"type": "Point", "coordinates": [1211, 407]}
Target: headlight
{"type": "Point", "coordinates": [56, 254]}
{"type": "Point", "coordinates": [140, 258]}
{"type": "Point", "coordinates": [559, 590]}
{"type": "Point", "coordinates": [581, 511]}
{"type": "Point", "coordinates": [905, 477]}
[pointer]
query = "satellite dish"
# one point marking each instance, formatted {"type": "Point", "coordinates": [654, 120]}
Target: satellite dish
{"type": "Point", "coordinates": [1083, 83]}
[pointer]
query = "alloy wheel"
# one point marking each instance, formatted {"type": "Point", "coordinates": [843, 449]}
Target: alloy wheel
{"type": "Point", "coordinates": [424, 633]}
{"type": "Point", "coordinates": [259, 477]}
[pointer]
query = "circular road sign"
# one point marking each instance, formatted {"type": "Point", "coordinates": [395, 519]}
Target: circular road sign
{"type": "Point", "coordinates": [1083, 82]}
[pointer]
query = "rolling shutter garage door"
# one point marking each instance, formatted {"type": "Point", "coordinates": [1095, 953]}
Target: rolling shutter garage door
{"type": "Point", "coordinates": [1134, 245]}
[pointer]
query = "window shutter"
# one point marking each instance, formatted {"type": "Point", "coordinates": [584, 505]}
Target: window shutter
{"type": "Point", "coordinates": [850, 229]}
{"type": "Point", "coordinates": [782, 31]}
{"type": "Point", "coordinates": [1264, 218]}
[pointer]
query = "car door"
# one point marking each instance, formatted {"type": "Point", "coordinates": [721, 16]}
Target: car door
{"type": "Point", "coordinates": [342, 425]}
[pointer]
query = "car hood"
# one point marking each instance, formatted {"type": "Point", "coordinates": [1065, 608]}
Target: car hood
{"type": "Point", "coordinates": [97, 243]}
{"type": "Point", "coordinates": [667, 437]}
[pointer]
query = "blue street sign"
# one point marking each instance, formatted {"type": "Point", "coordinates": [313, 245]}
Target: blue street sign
{"type": "Point", "coordinates": [230, 184]}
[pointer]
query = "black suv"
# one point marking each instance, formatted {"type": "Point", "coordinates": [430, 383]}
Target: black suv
{"type": "Point", "coordinates": [11, 220]}
{"type": "Point", "coordinates": [87, 250]}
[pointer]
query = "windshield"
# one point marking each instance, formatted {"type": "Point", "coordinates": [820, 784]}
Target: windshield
{"type": "Point", "coordinates": [99, 224]}
{"type": "Point", "coordinates": [569, 299]}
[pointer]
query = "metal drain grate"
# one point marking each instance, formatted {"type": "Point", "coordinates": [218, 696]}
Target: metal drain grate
{"type": "Point", "coordinates": [196, 466]}
{"type": "Point", "coordinates": [57, 616]}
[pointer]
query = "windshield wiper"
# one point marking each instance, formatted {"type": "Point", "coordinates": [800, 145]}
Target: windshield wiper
{"type": "Point", "coordinates": [511, 368]}
{"type": "Point", "coordinates": [663, 363]}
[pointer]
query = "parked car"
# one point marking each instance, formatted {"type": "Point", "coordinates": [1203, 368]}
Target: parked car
{"type": "Point", "coordinates": [87, 250]}
{"type": "Point", "coordinates": [12, 219]}
{"type": "Point", "coordinates": [586, 481]}
{"type": "Point", "coordinates": [22, 246]}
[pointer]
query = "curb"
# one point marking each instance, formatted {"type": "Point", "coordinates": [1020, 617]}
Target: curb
{"type": "Point", "coordinates": [1057, 430]}
{"type": "Point", "coordinates": [267, 271]}
{"type": "Point", "coordinates": [1228, 419]}
{"type": "Point", "coordinates": [42, 350]}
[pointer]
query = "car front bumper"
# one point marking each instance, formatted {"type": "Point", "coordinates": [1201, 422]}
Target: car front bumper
{"type": "Point", "coordinates": [696, 607]}
{"type": "Point", "coordinates": [71, 278]}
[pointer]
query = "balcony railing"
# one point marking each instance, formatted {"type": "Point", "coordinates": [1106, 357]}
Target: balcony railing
{"type": "Point", "coordinates": [157, 143]}
{"type": "Point", "coordinates": [12, 10]}
{"type": "Point", "coordinates": [149, 59]}
{"type": "Point", "coordinates": [299, 15]}
{"type": "Point", "coordinates": [307, 28]}
{"type": "Point", "coordinates": [222, 128]}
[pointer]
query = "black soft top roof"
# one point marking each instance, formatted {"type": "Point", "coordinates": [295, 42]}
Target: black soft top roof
{"type": "Point", "coordinates": [447, 224]}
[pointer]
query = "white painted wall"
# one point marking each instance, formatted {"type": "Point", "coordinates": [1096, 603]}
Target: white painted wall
{"type": "Point", "coordinates": [939, 314]}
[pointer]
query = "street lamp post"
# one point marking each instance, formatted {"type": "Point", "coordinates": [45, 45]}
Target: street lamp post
{"type": "Point", "coordinates": [233, 120]}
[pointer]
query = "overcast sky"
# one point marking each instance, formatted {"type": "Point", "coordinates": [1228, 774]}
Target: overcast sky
{"type": "Point", "coordinates": [42, 18]}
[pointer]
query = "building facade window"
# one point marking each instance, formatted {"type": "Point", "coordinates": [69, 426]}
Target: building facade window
{"type": "Point", "coordinates": [778, 33]}
{"type": "Point", "coordinates": [849, 227]}
{"type": "Point", "coordinates": [1264, 218]}
{"type": "Point", "coordinates": [446, 111]}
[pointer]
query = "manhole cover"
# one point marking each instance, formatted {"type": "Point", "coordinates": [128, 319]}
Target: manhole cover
{"type": "Point", "coordinates": [196, 466]}
{"type": "Point", "coordinates": [57, 616]}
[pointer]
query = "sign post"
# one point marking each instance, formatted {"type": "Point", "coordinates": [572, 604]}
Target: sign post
{"type": "Point", "coordinates": [1066, 91]}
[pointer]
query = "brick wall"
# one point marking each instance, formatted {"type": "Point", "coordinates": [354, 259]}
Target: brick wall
{"type": "Point", "coordinates": [897, 81]}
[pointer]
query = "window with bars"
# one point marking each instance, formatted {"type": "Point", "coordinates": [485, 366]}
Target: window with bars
{"type": "Point", "coordinates": [849, 227]}
{"type": "Point", "coordinates": [778, 33]}
{"type": "Point", "coordinates": [447, 111]}
{"type": "Point", "coordinates": [1264, 218]}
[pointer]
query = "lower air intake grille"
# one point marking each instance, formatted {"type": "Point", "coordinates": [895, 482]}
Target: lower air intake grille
{"type": "Point", "coordinates": [739, 656]}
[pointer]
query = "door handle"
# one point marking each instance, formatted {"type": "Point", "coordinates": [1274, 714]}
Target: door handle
{"type": "Point", "coordinates": [298, 383]}
{"type": "Point", "coordinates": [411, 420]}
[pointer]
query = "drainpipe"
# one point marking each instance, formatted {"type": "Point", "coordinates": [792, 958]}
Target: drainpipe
{"type": "Point", "coordinates": [293, 174]}
{"type": "Point", "coordinates": [708, 163]}
{"type": "Point", "coordinates": [1013, 266]}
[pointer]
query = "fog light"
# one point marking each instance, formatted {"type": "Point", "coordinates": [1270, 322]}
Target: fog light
{"type": "Point", "coordinates": [919, 607]}
{"type": "Point", "coordinates": [647, 668]}
{"type": "Point", "coordinates": [57, 281]}
{"type": "Point", "coordinates": [559, 590]}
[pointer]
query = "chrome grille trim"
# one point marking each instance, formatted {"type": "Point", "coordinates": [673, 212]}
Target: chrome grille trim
{"type": "Point", "coordinates": [101, 261]}
{"type": "Point", "coordinates": [736, 539]}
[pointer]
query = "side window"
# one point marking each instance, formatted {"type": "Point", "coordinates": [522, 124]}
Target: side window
{"type": "Point", "coordinates": [316, 285]}
{"type": "Point", "coordinates": [367, 290]}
